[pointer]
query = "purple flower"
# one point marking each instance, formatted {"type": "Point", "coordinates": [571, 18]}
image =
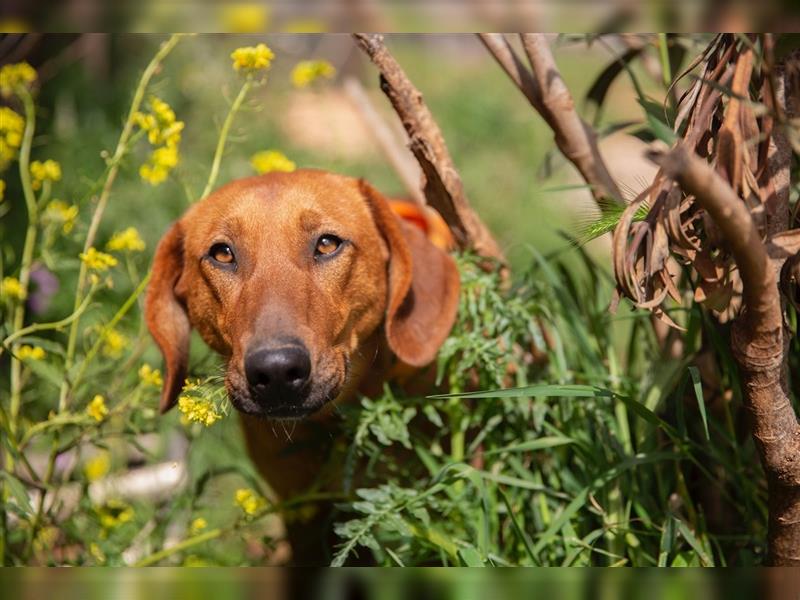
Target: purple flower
{"type": "Point", "coordinates": [44, 286]}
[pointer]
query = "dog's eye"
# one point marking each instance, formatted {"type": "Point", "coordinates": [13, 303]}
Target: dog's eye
{"type": "Point", "coordinates": [222, 253]}
{"type": "Point", "coordinates": [327, 245]}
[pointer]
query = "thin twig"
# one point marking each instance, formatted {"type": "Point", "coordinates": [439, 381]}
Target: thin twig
{"type": "Point", "coordinates": [545, 90]}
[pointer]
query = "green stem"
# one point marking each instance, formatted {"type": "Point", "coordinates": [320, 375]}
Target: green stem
{"type": "Point", "coordinates": [123, 310]}
{"type": "Point", "coordinates": [34, 327]}
{"type": "Point", "coordinates": [114, 164]}
{"type": "Point", "coordinates": [663, 52]}
{"type": "Point", "coordinates": [27, 251]}
{"type": "Point", "coordinates": [223, 136]}
{"type": "Point", "coordinates": [187, 543]}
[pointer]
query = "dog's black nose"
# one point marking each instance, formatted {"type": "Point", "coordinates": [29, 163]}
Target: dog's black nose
{"type": "Point", "coordinates": [278, 374]}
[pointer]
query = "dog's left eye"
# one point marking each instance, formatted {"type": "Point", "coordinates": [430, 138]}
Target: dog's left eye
{"type": "Point", "coordinates": [222, 253]}
{"type": "Point", "coordinates": [327, 245]}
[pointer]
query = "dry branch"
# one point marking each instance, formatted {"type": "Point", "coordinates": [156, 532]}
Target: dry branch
{"type": "Point", "coordinates": [759, 343]}
{"type": "Point", "coordinates": [442, 187]}
{"type": "Point", "coordinates": [547, 93]}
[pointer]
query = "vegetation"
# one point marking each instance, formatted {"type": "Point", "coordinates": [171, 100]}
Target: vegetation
{"type": "Point", "coordinates": [568, 435]}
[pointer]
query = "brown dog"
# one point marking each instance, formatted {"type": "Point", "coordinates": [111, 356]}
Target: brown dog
{"type": "Point", "coordinates": [308, 284]}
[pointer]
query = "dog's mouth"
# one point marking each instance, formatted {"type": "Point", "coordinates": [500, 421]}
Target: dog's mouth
{"type": "Point", "coordinates": [295, 405]}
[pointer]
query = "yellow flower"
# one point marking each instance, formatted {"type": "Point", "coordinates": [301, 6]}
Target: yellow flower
{"type": "Point", "coordinates": [271, 160]}
{"type": "Point", "coordinates": [30, 353]}
{"type": "Point", "coordinates": [243, 17]}
{"type": "Point", "coordinates": [128, 240]}
{"type": "Point", "coordinates": [158, 166]}
{"type": "Point", "coordinates": [252, 58]}
{"type": "Point", "coordinates": [96, 260]}
{"type": "Point", "coordinates": [58, 211]}
{"type": "Point", "coordinates": [114, 344]}
{"type": "Point", "coordinates": [197, 410]}
{"type": "Point", "coordinates": [150, 376]}
{"type": "Point", "coordinates": [12, 288]}
{"type": "Point", "coordinates": [198, 525]}
{"type": "Point", "coordinates": [307, 71]}
{"type": "Point", "coordinates": [97, 467]}
{"type": "Point", "coordinates": [249, 501]}
{"type": "Point", "coordinates": [48, 170]}
{"type": "Point", "coordinates": [97, 408]}
{"type": "Point", "coordinates": [114, 513]}
{"type": "Point", "coordinates": [11, 127]}
{"type": "Point", "coordinates": [14, 75]}
{"type": "Point", "coordinates": [46, 539]}
{"type": "Point", "coordinates": [97, 553]}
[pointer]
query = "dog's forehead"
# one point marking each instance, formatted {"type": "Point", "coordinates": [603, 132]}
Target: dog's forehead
{"type": "Point", "coordinates": [306, 199]}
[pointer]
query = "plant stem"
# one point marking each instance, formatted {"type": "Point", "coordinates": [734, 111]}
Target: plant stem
{"type": "Point", "coordinates": [223, 136]}
{"type": "Point", "coordinates": [123, 310]}
{"type": "Point", "coordinates": [663, 53]}
{"type": "Point", "coordinates": [27, 252]}
{"type": "Point", "coordinates": [187, 543]}
{"type": "Point", "coordinates": [114, 164]}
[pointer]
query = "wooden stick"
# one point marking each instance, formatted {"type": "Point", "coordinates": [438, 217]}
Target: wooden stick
{"type": "Point", "coordinates": [443, 187]}
{"type": "Point", "coordinates": [547, 93]}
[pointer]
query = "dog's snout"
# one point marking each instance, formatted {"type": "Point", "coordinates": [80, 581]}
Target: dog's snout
{"type": "Point", "coordinates": [278, 373]}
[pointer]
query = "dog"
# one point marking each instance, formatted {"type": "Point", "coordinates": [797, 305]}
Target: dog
{"type": "Point", "coordinates": [313, 290]}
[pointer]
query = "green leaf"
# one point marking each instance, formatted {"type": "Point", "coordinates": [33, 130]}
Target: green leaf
{"type": "Point", "coordinates": [537, 444]}
{"type": "Point", "coordinates": [470, 557]}
{"type": "Point", "coordinates": [17, 489]}
{"type": "Point", "coordinates": [542, 391]}
{"type": "Point", "coordinates": [698, 393]}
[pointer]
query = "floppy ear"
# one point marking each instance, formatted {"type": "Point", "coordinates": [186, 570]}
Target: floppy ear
{"type": "Point", "coordinates": [423, 286]}
{"type": "Point", "coordinates": [166, 314]}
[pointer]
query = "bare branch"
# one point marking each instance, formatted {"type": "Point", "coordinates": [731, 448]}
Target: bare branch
{"type": "Point", "coordinates": [398, 156]}
{"type": "Point", "coordinates": [547, 93]}
{"type": "Point", "coordinates": [443, 187]}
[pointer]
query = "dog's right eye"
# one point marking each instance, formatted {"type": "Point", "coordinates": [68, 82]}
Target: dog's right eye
{"type": "Point", "coordinates": [222, 253]}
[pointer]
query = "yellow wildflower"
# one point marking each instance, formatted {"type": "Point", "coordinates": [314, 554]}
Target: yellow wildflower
{"type": "Point", "coordinates": [128, 240]}
{"type": "Point", "coordinates": [12, 126]}
{"type": "Point", "coordinates": [150, 376]}
{"type": "Point", "coordinates": [252, 58]}
{"type": "Point", "coordinates": [97, 408]}
{"type": "Point", "coordinates": [197, 410]}
{"type": "Point", "coordinates": [249, 501]}
{"type": "Point", "coordinates": [271, 160]}
{"type": "Point", "coordinates": [97, 466]}
{"type": "Point", "coordinates": [198, 525]}
{"type": "Point", "coordinates": [12, 288]}
{"type": "Point", "coordinates": [307, 71]}
{"type": "Point", "coordinates": [46, 539]}
{"type": "Point", "coordinates": [14, 75]}
{"type": "Point", "coordinates": [97, 553]}
{"type": "Point", "coordinates": [31, 353]}
{"type": "Point", "coordinates": [114, 513]}
{"type": "Point", "coordinates": [244, 17]}
{"type": "Point", "coordinates": [58, 211]}
{"type": "Point", "coordinates": [96, 260]}
{"type": "Point", "coordinates": [158, 166]}
{"type": "Point", "coordinates": [48, 170]}
{"type": "Point", "coordinates": [114, 344]}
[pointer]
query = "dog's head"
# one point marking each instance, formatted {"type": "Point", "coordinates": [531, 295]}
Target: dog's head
{"type": "Point", "coordinates": [287, 275]}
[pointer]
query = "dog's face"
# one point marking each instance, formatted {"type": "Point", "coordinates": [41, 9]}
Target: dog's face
{"type": "Point", "coordinates": [287, 275]}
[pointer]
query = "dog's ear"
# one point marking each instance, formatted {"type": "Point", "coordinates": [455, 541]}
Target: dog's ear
{"type": "Point", "coordinates": [423, 286]}
{"type": "Point", "coordinates": [166, 314]}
